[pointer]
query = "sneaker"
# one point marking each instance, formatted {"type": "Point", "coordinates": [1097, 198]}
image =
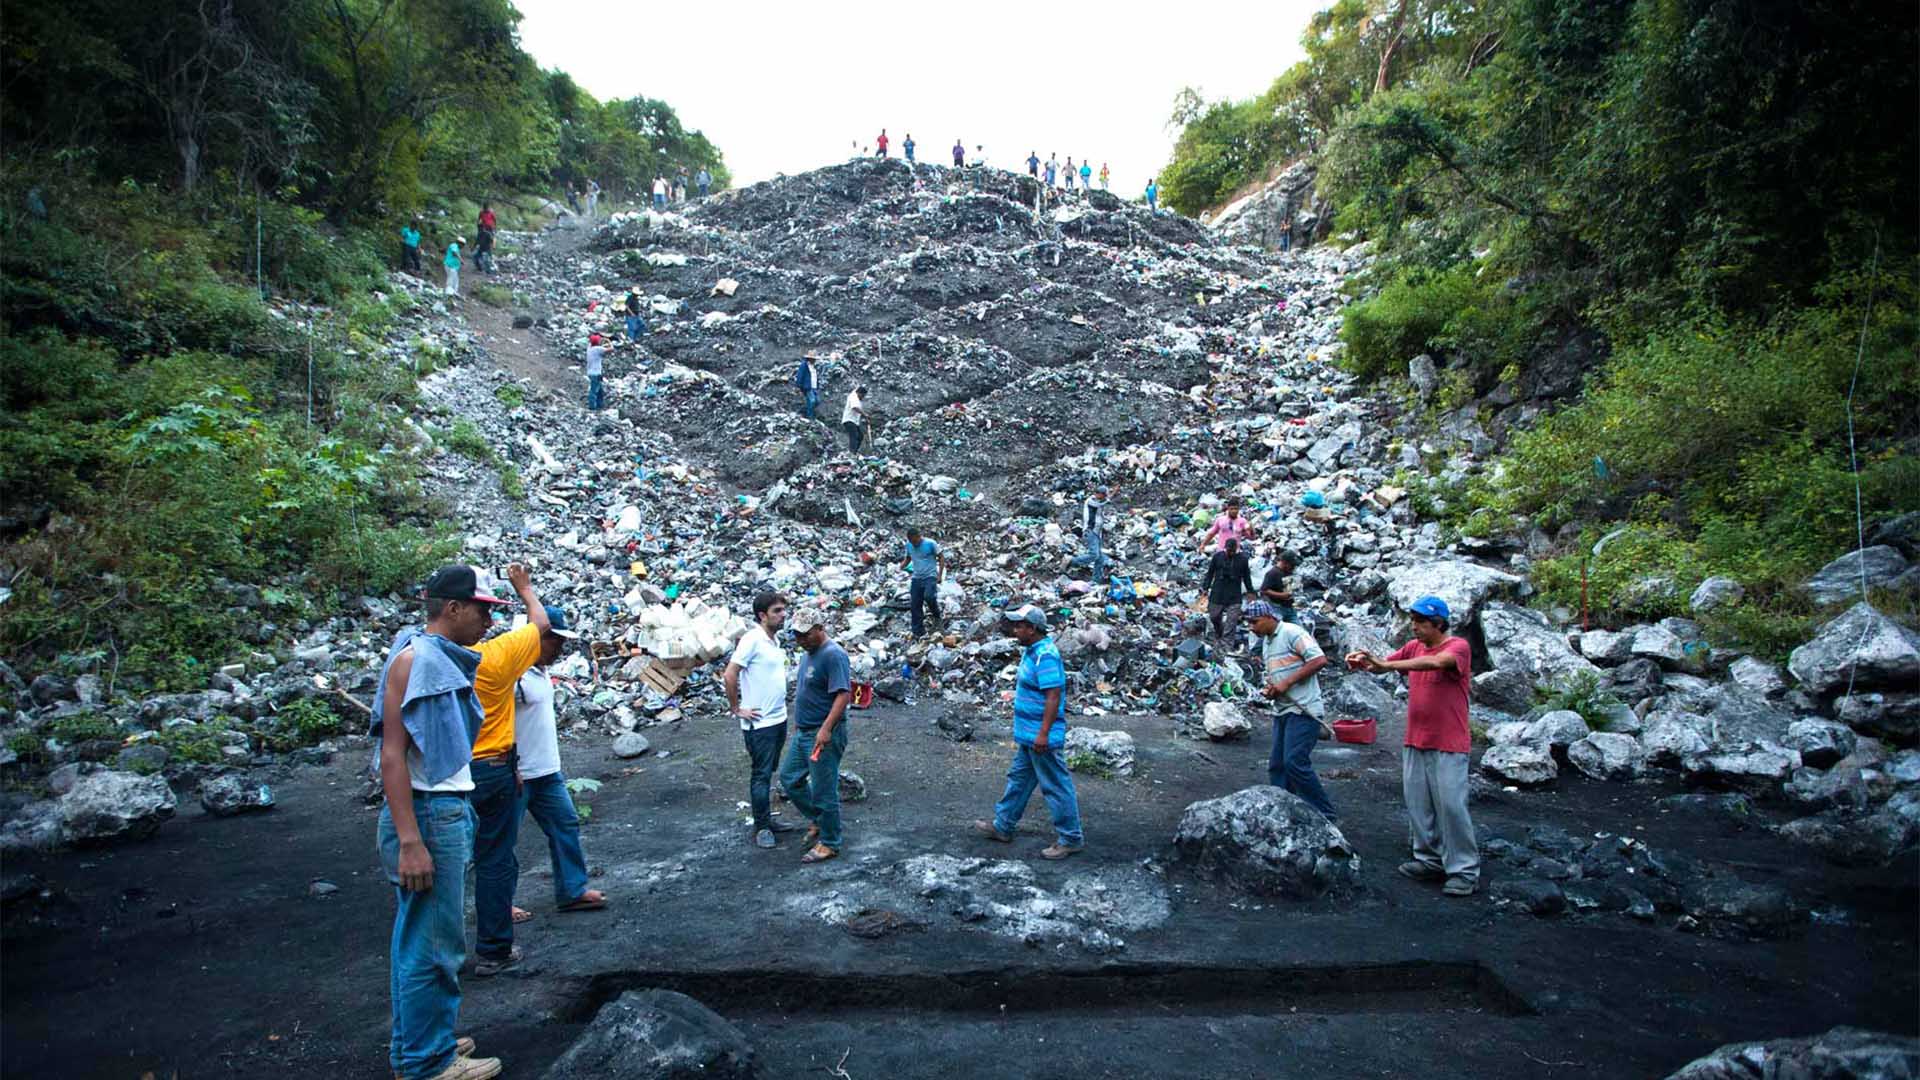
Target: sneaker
{"type": "Point", "coordinates": [1059, 851]}
{"type": "Point", "coordinates": [1420, 871]}
{"type": "Point", "coordinates": [764, 838]}
{"type": "Point", "coordinates": [469, 1068]}
{"type": "Point", "coordinates": [783, 827]}
{"type": "Point", "coordinates": [1459, 886]}
{"type": "Point", "coordinates": [986, 829]}
{"type": "Point", "coordinates": [487, 967]}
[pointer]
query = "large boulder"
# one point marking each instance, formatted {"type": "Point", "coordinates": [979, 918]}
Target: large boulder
{"type": "Point", "coordinates": [1523, 764]}
{"type": "Point", "coordinates": [1895, 717]}
{"type": "Point", "coordinates": [1758, 770]}
{"type": "Point", "coordinates": [1671, 737]}
{"type": "Point", "coordinates": [1840, 579]}
{"type": "Point", "coordinates": [1520, 640]}
{"type": "Point", "coordinates": [1557, 730]}
{"type": "Point", "coordinates": [1463, 585]}
{"type": "Point", "coordinates": [1224, 721]}
{"type": "Point", "coordinates": [1606, 755]}
{"type": "Point", "coordinates": [1606, 646]}
{"type": "Point", "coordinates": [1663, 643]}
{"type": "Point", "coordinates": [1820, 743]}
{"type": "Point", "coordinates": [97, 807]}
{"type": "Point", "coordinates": [1841, 1054]}
{"type": "Point", "coordinates": [1504, 689]}
{"type": "Point", "coordinates": [1876, 651]}
{"type": "Point", "coordinates": [1267, 841]}
{"type": "Point", "coordinates": [1715, 593]}
{"type": "Point", "coordinates": [1635, 680]}
{"type": "Point", "coordinates": [1111, 751]}
{"type": "Point", "coordinates": [1359, 696]}
{"type": "Point", "coordinates": [225, 796]}
{"type": "Point", "coordinates": [657, 1035]}
{"type": "Point", "coordinates": [1739, 718]}
{"type": "Point", "coordinates": [1757, 676]}
{"type": "Point", "coordinates": [1850, 839]}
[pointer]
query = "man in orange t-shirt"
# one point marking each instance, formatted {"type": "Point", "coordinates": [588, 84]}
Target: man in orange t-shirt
{"type": "Point", "coordinates": [496, 783]}
{"type": "Point", "coordinates": [1433, 763]}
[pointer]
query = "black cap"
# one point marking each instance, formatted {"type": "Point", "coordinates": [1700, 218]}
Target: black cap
{"type": "Point", "coordinates": [458, 582]}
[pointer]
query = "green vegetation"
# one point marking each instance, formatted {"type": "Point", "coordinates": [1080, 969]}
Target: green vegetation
{"type": "Point", "coordinates": [1583, 694]}
{"type": "Point", "coordinates": [1092, 764]}
{"type": "Point", "coordinates": [510, 395]}
{"type": "Point", "coordinates": [1701, 212]}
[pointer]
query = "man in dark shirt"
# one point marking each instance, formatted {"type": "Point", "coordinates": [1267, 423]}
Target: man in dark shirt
{"type": "Point", "coordinates": [811, 773]}
{"type": "Point", "coordinates": [1229, 580]}
{"type": "Point", "coordinates": [1277, 587]}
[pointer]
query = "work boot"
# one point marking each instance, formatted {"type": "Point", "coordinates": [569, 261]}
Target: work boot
{"type": "Point", "coordinates": [1420, 871]}
{"type": "Point", "coordinates": [487, 967]}
{"type": "Point", "coordinates": [986, 829]}
{"type": "Point", "coordinates": [1459, 886]}
{"type": "Point", "coordinates": [1059, 851]}
{"type": "Point", "coordinates": [764, 838]}
{"type": "Point", "coordinates": [468, 1068]}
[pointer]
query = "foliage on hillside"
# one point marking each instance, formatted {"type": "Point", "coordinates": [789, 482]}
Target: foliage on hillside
{"type": "Point", "coordinates": [1717, 191]}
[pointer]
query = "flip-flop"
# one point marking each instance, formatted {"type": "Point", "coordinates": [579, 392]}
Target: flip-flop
{"type": "Point", "coordinates": [582, 903]}
{"type": "Point", "coordinates": [521, 914]}
{"type": "Point", "coordinates": [820, 853]}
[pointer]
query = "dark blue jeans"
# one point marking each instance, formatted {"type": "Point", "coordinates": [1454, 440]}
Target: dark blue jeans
{"type": "Point", "coordinates": [763, 748]}
{"type": "Point", "coordinates": [596, 397]}
{"type": "Point", "coordinates": [496, 869]}
{"type": "Point", "coordinates": [923, 592]}
{"type": "Point", "coordinates": [1290, 766]}
{"type": "Point", "coordinates": [812, 402]}
{"type": "Point", "coordinates": [814, 786]}
{"type": "Point", "coordinates": [429, 940]}
{"type": "Point", "coordinates": [547, 799]}
{"type": "Point", "coordinates": [635, 326]}
{"type": "Point", "coordinates": [1046, 769]}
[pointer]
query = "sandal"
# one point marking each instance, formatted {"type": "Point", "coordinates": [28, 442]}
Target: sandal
{"type": "Point", "coordinates": [819, 853]}
{"type": "Point", "coordinates": [521, 914]}
{"type": "Point", "coordinates": [812, 837]}
{"type": "Point", "coordinates": [591, 900]}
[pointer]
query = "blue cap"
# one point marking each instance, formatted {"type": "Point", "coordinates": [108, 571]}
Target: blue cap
{"type": "Point", "coordinates": [557, 622]}
{"type": "Point", "coordinates": [1257, 609]}
{"type": "Point", "coordinates": [1026, 613]}
{"type": "Point", "coordinates": [1432, 607]}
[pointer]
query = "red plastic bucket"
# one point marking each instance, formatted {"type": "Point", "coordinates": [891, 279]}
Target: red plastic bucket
{"type": "Point", "coordinates": [1356, 731]}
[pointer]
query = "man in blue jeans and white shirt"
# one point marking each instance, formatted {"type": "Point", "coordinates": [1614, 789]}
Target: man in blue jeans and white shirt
{"type": "Point", "coordinates": [756, 682]}
{"type": "Point", "coordinates": [927, 566]}
{"type": "Point", "coordinates": [425, 716]}
{"type": "Point", "coordinates": [543, 787]}
{"type": "Point", "coordinates": [810, 775]}
{"type": "Point", "coordinates": [1290, 661]}
{"type": "Point", "coordinates": [1039, 739]}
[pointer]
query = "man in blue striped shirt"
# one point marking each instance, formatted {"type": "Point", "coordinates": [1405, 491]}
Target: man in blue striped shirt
{"type": "Point", "coordinates": [1039, 737]}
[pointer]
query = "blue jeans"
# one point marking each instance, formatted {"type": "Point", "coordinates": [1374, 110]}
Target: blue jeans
{"type": "Point", "coordinates": [812, 402]}
{"type": "Point", "coordinates": [1047, 769]}
{"type": "Point", "coordinates": [596, 397]}
{"type": "Point", "coordinates": [703, 191]}
{"type": "Point", "coordinates": [546, 798]}
{"type": "Point", "coordinates": [1290, 766]}
{"type": "Point", "coordinates": [429, 935]}
{"type": "Point", "coordinates": [1093, 558]}
{"type": "Point", "coordinates": [814, 786]}
{"type": "Point", "coordinates": [763, 749]}
{"type": "Point", "coordinates": [659, 201]}
{"type": "Point", "coordinates": [923, 592]}
{"type": "Point", "coordinates": [634, 326]}
{"type": "Point", "coordinates": [496, 869]}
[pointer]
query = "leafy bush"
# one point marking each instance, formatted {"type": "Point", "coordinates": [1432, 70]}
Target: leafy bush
{"type": "Point", "coordinates": [464, 438]}
{"type": "Point", "coordinates": [510, 395]}
{"type": "Point", "coordinates": [83, 727]}
{"type": "Point", "coordinates": [196, 744]}
{"type": "Point", "coordinates": [1581, 693]}
{"type": "Point", "coordinates": [310, 720]}
{"type": "Point", "coordinates": [1455, 310]}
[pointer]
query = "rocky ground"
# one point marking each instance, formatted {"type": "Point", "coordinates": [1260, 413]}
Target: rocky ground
{"type": "Point", "coordinates": [1713, 851]}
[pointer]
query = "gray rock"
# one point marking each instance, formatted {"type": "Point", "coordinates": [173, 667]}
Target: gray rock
{"type": "Point", "coordinates": [1520, 640]}
{"type": "Point", "coordinates": [67, 777]}
{"type": "Point", "coordinates": [1463, 585]}
{"type": "Point", "coordinates": [89, 689]}
{"type": "Point", "coordinates": [1660, 644]}
{"type": "Point", "coordinates": [1520, 763]}
{"type": "Point", "coordinates": [1424, 376]}
{"type": "Point", "coordinates": [1821, 743]}
{"type": "Point", "coordinates": [1673, 737]}
{"type": "Point", "coordinates": [1267, 841]}
{"type": "Point", "coordinates": [1844, 1053]}
{"type": "Point", "coordinates": [48, 688]}
{"type": "Point", "coordinates": [1509, 731]}
{"type": "Point", "coordinates": [1110, 750]}
{"type": "Point", "coordinates": [1358, 696]}
{"type": "Point", "coordinates": [1715, 593]}
{"type": "Point", "coordinates": [1875, 650]}
{"type": "Point", "coordinates": [1756, 769]}
{"type": "Point", "coordinates": [1635, 680]}
{"type": "Point", "coordinates": [1732, 904]}
{"type": "Point", "coordinates": [33, 827]}
{"type": "Point", "coordinates": [1606, 755]}
{"type": "Point", "coordinates": [1895, 717]}
{"type": "Point", "coordinates": [630, 744]}
{"type": "Point", "coordinates": [1531, 895]}
{"type": "Point", "coordinates": [320, 889]}
{"type": "Point", "coordinates": [316, 657]}
{"type": "Point", "coordinates": [109, 805]}
{"type": "Point", "coordinates": [1839, 580]}
{"type": "Point", "coordinates": [1505, 689]}
{"type": "Point", "coordinates": [142, 757]}
{"type": "Point", "coordinates": [1223, 721]}
{"type": "Point", "coordinates": [657, 1035]}
{"type": "Point", "coordinates": [1757, 676]}
{"type": "Point", "coordinates": [1606, 646]}
{"type": "Point", "coordinates": [1852, 839]}
{"type": "Point", "coordinates": [1737, 718]}
{"type": "Point", "coordinates": [1557, 730]}
{"type": "Point", "coordinates": [225, 796]}
{"type": "Point", "coordinates": [1819, 789]}
{"type": "Point", "coordinates": [852, 787]}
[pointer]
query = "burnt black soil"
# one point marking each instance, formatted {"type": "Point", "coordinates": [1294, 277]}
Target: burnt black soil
{"type": "Point", "coordinates": [201, 951]}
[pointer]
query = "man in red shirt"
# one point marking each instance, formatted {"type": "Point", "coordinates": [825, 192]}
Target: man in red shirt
{"type": "Point", "coordinates": [1433, 764]}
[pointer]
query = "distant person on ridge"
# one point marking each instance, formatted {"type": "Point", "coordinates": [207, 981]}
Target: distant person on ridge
{"type": "Point", "coordinates": [881, 144]}
{"type": "Point", "coordinates": [1153, 196]}
{"type": "Point", "coordinates": [593, 197]}
{"type": "Point", "coordinates": [979, 156]}
{"type": "Point", "coordinates": [1052, 170]}
{"type": "Point", "coordinates": [659, 193]}
{"type": "Point", "coordinates": [1071, 172]}
{"type": "Point", "coordinates": [959, 154]}
{"type": "Point", "coordinates": [1086, 175]}
{"type": "Point", "coordinates": [483, 249]}
{"type": "Point", "coordinates": [907, 147]}
{"type": "Point", "coordinates": [1104, 176]}
{"type": "Point", "coordinates": [1033, 163]}
{"type": "Point", "coordinates": [705, 180]}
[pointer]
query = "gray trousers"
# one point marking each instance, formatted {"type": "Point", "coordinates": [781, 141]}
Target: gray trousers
{"type": "Point", "coordinates": [1435, 784]}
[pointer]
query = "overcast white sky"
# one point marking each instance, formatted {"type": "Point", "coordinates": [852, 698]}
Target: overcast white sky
{"type": "Point", "coordinates": [786, 87]}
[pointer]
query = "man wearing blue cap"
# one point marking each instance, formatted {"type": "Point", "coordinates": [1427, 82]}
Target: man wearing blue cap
{"type": "Point", "coordinates": [1433, 764]}
{"type": "Point", "coordinates": [543, 790]}
{"type": "Point", "coordinates": [1039, 738]}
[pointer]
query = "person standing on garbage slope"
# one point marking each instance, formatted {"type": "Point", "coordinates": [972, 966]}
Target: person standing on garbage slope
{"type": "Point", "coordinates": [808, 380]}
{"type": "Point", "coordinates": [705, 180]}
{"type": "Point", "coordinates": [1153, 196]}
{"type": "Point", "coordinates": [596, 369]}
{"type": "Point", "coordinates": [881, 144]}
{"type": "Point", "coordinates": [1039, 739]}
{"type": "Point", "coordinates": [756, 682]}
{"type": "Point", "coordinates": [659, 193]}
{"type": "Point", "coordinates": [496, 780]}
{"type": "Point", "coordinates": [1433, 763]}
{"type": "Point", "coordinates": [452, 262]}
{"type": "Point", "coordinates": [1277, 590]}
{"type": "Point", "coordinates": [536, 740]}
{"type": "Point", "coordinates": [410, 247]}
{"type": "Point", "coordinates": [1033, 163]}
{"type": "Point", "coordinates": [593, 197]}
{"type": "Point", "coordinates": [853, 418]}
{"type": "Point", "coordinates": [425, 717]}
{"type": "Point", "coordinates": [959, 153]}
{"type": "Point", "coordinates": [483, 247]}
{"type": "Point", "coordinates": [1052, 169]}
{"type": "Point", "coordinates": [1230, 525]}
{"type": "Point", "coordinates": [810, 772]}
{"type": "Point", "coordinates": [1289, 662]}
{"type": "Point", "coordinates": [1104, 176]}
{"type": "Point", "coordinates": [1072, 172]}
{"type": "Point", "coordinates": [636, 325]}
{"type": "Point", "coordinates": [926, 565]}
{"type": "Point", "coordinates": [1093, 514]}
{"type": "Point", "coordinates": [1228, 581]}
{"type": "Point", "coordinates": [907, 147]}
{"type": "Point", "coordinates": [1086, 175]}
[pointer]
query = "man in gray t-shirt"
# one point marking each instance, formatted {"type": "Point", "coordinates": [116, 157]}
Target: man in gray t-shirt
{"type": "Point", "coordinates": [810, 775]}
{"type": "Point", "coordinates": [1290, 661]}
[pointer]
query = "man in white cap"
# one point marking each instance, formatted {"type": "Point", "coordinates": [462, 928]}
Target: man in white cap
{"type": "Point", "coordinates": [1039, 738]}
{"type": "Point", "coordinates": [810, 775]}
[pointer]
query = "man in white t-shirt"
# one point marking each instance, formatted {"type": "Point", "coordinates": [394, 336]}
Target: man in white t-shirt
{"type": "Point", "coordinates": [543, 786]}
{"type": "Point", "coordinates": [853, 418]}
{"type": "Point", "coordinates": [756, 679]}
{"type": "Point", "coordinates": [596, 366]}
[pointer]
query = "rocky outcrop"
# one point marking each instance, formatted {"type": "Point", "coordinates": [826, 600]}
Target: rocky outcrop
{"type": "Point", "coordinates": [1267, 841]}
{"type": "Point", "coordinates": [1463, 585]}
{"type": "Point", "coordinates": [657, 1035]}
{"type": "Point", "coordinates": [1521, 640]}
{"type": "Point", "coordinates": [1841, 1054]}
{"type": "Point", "coordinates": [1110, 751]}
{"type": "Point", "coordinates": [1862, 643]}
{"type": "Point", "coordinates": [1842, 579]}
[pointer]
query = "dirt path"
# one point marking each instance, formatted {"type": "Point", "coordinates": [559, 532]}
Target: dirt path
{"type": "Point", "coordinates": [526, 352]}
